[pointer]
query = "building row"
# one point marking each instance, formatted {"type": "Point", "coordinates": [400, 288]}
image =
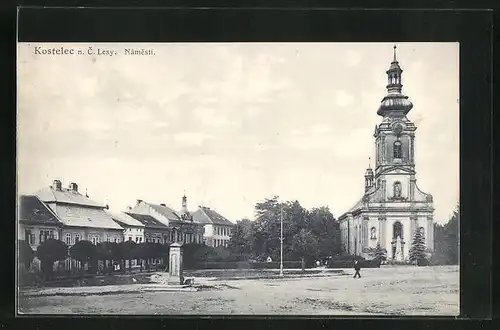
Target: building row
{"type": "Point", "coordinates": [68, 215]}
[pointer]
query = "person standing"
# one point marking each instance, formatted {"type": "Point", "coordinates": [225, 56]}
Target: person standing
{"type": "Point", "coordinates": [357, 267]}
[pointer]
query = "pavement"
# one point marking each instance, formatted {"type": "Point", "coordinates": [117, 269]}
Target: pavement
{"type": "Point", "coordinates": [405, 290]}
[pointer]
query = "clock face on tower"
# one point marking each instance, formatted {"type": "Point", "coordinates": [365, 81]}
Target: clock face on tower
{"type": "Point", "coordinates": [397, 128]}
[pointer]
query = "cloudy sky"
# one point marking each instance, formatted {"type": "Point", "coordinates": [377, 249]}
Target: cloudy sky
{"type": "Point", "coordinates": [231, 124]}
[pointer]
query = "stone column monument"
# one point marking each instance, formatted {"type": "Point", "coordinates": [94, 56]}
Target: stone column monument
{"type": "Point", "coordinates": [175, 265]}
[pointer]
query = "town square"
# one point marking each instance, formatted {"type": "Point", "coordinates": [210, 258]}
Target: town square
{"type": "Point", "coordinates": [239, 179]}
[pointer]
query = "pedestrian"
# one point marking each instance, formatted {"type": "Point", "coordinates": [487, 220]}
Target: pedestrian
{"type": "Point", "coordinates": [357, 267]}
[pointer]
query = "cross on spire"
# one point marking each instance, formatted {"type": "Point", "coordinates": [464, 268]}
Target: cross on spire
{"type": "Point", "coordinates": [369, 162]}
{"type": "Point", "coordinates": [395, 60]}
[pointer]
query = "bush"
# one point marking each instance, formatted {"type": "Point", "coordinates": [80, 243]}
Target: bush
{"type": "Point", "coordinates": [25, 254]}
{"type": "Point", "coordinates": [49, 252]}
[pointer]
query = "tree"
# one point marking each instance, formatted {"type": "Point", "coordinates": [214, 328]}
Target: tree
{"type": "Point", "coordinates": [104, 252]}
{"type": "Point", "coordinates": [417, 250]}
{"type": "Point", "coordinates": [446, 240]}
{"type": "Point", "coordinates": [83, 251]}
{"type": "Point", "coordinates": [129, 251]}
{"type": "Point", "coordinates": [305, 245]}
{"type": "Point", "coordinates": [242, 238]}
{"type": "Point", "coordinates": [25, 254]}
{"type": "Point", "coordinates": [452, 236]}
{"type": "Point", "coordinates": [380, 253]}
{"type": "Point", "coordinates": [50, 251]}
{"type": "Point", "coordinates": [325, 227]}
{"type": "Point", "coordinates": [118, 254]}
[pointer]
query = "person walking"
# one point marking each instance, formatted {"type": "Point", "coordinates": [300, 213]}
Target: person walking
{"type": "Point", "coordinates": [357, 267]}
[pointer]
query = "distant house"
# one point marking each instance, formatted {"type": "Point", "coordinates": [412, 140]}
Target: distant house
{"type": "Point", "coordinates": [182, 228]}
{"type": "Point", "coordinates": [154, 230]}
{"type": "Point", "coordinates": [133, 230]}
{"type": "Point", "coordinates": [82, 218]}
{"type": "Point", "coordinates": [218, 229]}
{"type": "Point", "coordinates": [37, 222]}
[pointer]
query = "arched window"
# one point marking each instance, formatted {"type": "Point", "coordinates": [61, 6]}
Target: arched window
{"type": "Point", "coordinates": [397, 230]}
{"type": "Point", "coordinates": [397, 189]}
{"type": "Point", "coordinates": [397, 149]}
{"type": "Point", "coordinates": [373, 233]}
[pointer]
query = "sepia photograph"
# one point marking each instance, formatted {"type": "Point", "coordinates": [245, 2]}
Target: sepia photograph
{"type": "Point", "coordinates": [308, 178]}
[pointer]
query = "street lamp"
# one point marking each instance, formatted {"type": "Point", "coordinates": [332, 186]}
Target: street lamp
{"type": "Point", "coordinates": [281, 240]}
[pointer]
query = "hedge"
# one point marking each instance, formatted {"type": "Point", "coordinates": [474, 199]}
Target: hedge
{"type": "Point", "coordinates": [350, 264]}
{"type": "Point", "coordinates": [244, 265]}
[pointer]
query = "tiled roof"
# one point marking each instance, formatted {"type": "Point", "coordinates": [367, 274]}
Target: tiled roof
{"type": "Point", "coordinates": [147, 221]}
{"type": "Point", "coordinates": [82, 216]}
{"type": "Point", "coordinates": [165, 211]}
{"type": "Point", "coordinates": [66, 196]}
{"type": "Point", "coordinates": [124, 219]}
{"type": "Point", "coordinates": [33, 210]}
{"type": "Point", "coordinates": [205, 215]}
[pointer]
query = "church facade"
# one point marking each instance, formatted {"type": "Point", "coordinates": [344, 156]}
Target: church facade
{"type": "Point", "coordinates": [392, 207]}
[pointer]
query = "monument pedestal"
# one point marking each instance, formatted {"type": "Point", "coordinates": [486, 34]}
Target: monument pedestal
{"type": "Point", "coordinates": [175, 268]}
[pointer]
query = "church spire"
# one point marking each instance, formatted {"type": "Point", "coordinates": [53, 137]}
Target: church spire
{"type": "Point", "coordinates": [394, 104]}
{"type": "Point", "coordinates": [184, 210]}
{"type": "Point", "coordinates": [369, 176]}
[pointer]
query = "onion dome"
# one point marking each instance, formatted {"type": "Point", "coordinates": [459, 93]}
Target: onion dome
{"type": "Point", "coordinates": [394, 104]}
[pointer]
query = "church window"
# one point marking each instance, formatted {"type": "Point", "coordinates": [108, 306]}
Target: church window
{"type": "Point", "coordinates": [397, 149]}
{"type": "Point", "coordinates": [397, 189]}
{"type": "Point", "coordinates": [373, 232]}
{"type": "Point", "coordinates": [397, 230]}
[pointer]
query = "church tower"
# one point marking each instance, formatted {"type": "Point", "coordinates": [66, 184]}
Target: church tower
{"type": "Point", "coordinates": [185, 215]}
{"type": "Point", "coordinates": [395, 140]}
{"type": "Point", "coordinates": [392, 207]}
{"type": "Point", "coordinates": [369, 177]}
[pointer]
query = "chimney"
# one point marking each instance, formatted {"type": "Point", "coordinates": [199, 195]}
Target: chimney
{"type": "Point", "coordinates": [57, 185]}
{"type": "Point", "coordinates": [139, 201]}
{"type": "Point", "coordinates": [107, 207]}
{"type": "Point", "coordinates": [73, 186]}
{"type": "Point", "coordinates": [164, 205]}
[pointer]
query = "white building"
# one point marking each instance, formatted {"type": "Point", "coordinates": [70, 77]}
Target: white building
{"type": "Point", "coordinates": [82, 218]}
{"type": "Point", "coordinates": [217, 229]}
{"type": "Point", "coordinates": [392, 206]}
{"type": "Point", "coordinates": [133, 230]}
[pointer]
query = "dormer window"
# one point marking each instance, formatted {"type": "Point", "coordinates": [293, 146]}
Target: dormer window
{"type": "Point", "coordinates": [397, 150]}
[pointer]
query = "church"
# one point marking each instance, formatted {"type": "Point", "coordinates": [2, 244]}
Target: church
{"type": "Point", "coordinates": [392, 207]}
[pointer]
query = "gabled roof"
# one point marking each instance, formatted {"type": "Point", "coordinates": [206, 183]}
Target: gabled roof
{"type": "Point", "coordinates": [148, 221]}
{"type": "Point", "coordinates": [33, 210]}
{"type": "Point", "coordinates": [66, 196]}
{"type": "Point", "coordinates": [84, 216]}
{"type": "Point", "coordinates": [124, 219]}
{"type": "Point", "coordinates": [205, 215]}
{"type": "Point", "coordinates": [165, 211]}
